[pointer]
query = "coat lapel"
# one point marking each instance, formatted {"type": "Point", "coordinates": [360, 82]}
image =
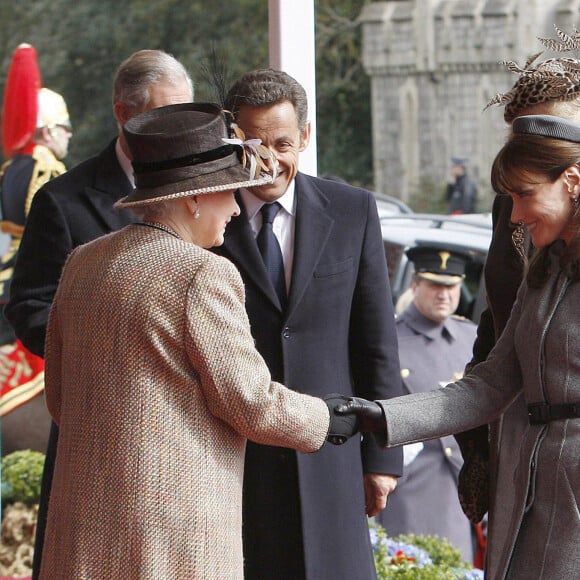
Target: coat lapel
{"type": "Point", "coordinates": [110, 185]}
{"type": "Point", "coordinates": [241, 246]}
{"type": "Point", "coordinates": [313, 226]}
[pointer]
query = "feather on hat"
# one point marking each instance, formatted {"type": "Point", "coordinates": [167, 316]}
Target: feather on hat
{"type": "Point", "coordinates": [555, 79]}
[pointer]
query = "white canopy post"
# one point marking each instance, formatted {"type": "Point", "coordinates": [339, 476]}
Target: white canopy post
{"type": "Point", "coordinates": [292, 49]}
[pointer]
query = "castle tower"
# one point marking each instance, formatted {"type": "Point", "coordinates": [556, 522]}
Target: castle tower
{"type": "Point", "coordinates": [434, 65]}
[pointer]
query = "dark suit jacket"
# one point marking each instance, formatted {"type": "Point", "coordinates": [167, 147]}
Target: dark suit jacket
{"type": "Point", "coordinates": [70, 210]}
{"type": "Point", "coordinates": [336, 335]}
{"type": "Point", "coordinates": [503, 275]}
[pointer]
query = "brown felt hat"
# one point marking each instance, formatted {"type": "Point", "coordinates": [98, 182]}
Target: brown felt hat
{"type": "Point", "coordinates": [179, 151]}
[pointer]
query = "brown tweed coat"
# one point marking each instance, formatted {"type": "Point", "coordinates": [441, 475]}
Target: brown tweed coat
{"type": "Point", "coordinates": [153, 379]}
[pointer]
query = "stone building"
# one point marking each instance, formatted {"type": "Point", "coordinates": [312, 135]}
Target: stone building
{"type": "Point", "coordinates": [434, 65]}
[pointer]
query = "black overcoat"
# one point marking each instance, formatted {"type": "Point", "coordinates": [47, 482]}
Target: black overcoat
{"type": "Point", "coordinates": [68, 211]}
{"type": "Point", "coordinates": [337, 334]}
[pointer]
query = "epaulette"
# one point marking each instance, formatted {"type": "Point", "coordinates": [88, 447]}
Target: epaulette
{"type": "Point", "coordinates": [460, 318]}
{"type": "Point", "coordinates": [46, 167]}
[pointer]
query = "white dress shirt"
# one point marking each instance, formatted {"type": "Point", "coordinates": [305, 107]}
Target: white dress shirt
{"type": "Point", "coordinates": [125, 163]}
{"type": "Point", "coordinates": [284, 224]}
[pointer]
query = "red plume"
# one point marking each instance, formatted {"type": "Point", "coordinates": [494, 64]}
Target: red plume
{"type": "Point", "coordinates": [20, 101]}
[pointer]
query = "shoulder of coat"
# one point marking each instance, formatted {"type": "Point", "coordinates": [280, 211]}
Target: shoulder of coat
{"type": "Point", "coordinates": [459, 318]}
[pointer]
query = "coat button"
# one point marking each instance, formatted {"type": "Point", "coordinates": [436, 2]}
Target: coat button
{"type": "Point", "coordinates": [286, 332]}
{"type": "Point", "coordinates": [448, 451]}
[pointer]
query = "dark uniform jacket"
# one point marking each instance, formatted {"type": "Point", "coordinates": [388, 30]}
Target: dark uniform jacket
{"type": "Point", "coordinates": [462, 195]}
{"type": "Point", "coordinates": [25, 421]}
{"type": "Point", "coordinates": [337, 334]}
{"type": "Point", "coordinates": [70, 210]}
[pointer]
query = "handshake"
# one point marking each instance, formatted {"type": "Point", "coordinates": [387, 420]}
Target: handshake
{"type": "Point", "coordinates": [349, 415]}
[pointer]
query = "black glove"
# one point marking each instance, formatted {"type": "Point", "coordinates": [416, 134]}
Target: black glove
{"type": "Point", "coordinates": [342, 427]}
{"type": "Point", "coordinates": [370, 414]}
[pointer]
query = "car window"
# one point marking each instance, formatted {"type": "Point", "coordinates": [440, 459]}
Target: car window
{"type": "Point", "coordinates": [468, 233]}
{"type": "Point", "coordinates": [388, 205]}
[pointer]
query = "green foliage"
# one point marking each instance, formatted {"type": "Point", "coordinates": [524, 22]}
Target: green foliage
{"type": "Point", "coordinates": [22, 477]}
{"type": "Point", "coordinates": [80, 44]}
{"type": "Point", "coordinates": [429, 197]}
{"type": "Point", "coordinates": [343, 94]}
{"type": "Point", "coordinates": [417, 557]}
{"type": "Point", "coordinates": [380, 551]}
{"type": "Point", "coordinates": [441, 551]}
{"type": "Point", "coordinates": [410, 572]}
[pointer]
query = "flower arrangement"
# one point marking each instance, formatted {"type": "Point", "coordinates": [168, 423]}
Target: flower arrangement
{"type": "Point", "coordinates": [418, 557]}
{"type": "Point", "coordinates": [21, 481]}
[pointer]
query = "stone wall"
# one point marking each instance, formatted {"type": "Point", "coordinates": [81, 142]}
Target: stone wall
{"type": "Point", "coordinates": [434, 65]}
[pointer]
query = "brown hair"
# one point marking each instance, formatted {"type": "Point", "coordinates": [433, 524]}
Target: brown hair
{"type": "Point", "coordinates": [521, 159]}
{"type": "Point", "coordinates": [265, 87]}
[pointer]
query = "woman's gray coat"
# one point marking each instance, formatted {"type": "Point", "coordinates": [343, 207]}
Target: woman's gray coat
{"type": "Point", "coordinates": [536, 532]}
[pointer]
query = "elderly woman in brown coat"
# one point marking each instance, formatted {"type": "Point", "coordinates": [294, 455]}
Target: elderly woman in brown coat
{"type": "Point", "coordinates": [152, 375]}
{"type": "Point", "coordinates": [537, 531]}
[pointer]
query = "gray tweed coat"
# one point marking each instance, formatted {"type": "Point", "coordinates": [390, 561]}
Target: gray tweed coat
{"type": "Point", "coordinates": [537, 531]}
{"type": "Point", "coordinates": [154, 381]}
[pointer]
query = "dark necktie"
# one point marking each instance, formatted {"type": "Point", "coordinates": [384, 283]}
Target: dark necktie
{"type": "Point", "coordinates": [270, 250]}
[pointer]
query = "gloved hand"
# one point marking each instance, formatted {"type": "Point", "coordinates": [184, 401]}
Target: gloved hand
{"type": "Point", "coordinates": [370, 414]}
{"type": "Point", "coordinates": [342, 427]}
{"type": "Point", "coordinates": [473, 487]}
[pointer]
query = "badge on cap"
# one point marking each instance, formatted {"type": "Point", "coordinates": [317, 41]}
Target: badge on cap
{"type": "Point", "coordinates": [438, 264]}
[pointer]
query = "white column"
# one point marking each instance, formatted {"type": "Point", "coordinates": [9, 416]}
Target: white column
{"type": "Point", "coordinates": [292, 49]}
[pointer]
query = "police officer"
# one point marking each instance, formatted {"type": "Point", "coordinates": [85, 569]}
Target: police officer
{"type": "Point", "coordinates": [461, 192]}
{"type": "Point", "coordinates": [434, 346]}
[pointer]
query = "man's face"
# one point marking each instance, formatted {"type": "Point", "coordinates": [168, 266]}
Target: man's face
{"type": "Point", "coordinates": [435, 301]}
{"type": "Point", "coordinates": [458, 170]}
{"type": "Point", "coordinates": [57, 139]}
{"type": "Point", "coordinates": [277, 126]}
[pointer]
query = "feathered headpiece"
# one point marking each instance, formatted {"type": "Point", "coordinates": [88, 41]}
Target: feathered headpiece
{"type": "Point", "coordinates": [20, 109]}
{"type": "Point", "coordinates": [555, 79]}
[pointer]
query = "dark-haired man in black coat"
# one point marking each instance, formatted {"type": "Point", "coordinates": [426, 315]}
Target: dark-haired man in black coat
{"type": "Point", "coordinates": [333, 328]}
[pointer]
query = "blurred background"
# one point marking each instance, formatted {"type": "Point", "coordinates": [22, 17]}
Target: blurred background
{"type": "Point", "coordinates": [400, 85]}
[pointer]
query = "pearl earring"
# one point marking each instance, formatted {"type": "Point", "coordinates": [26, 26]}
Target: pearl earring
{"type": "Point", "coordinates": [196, 214]}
